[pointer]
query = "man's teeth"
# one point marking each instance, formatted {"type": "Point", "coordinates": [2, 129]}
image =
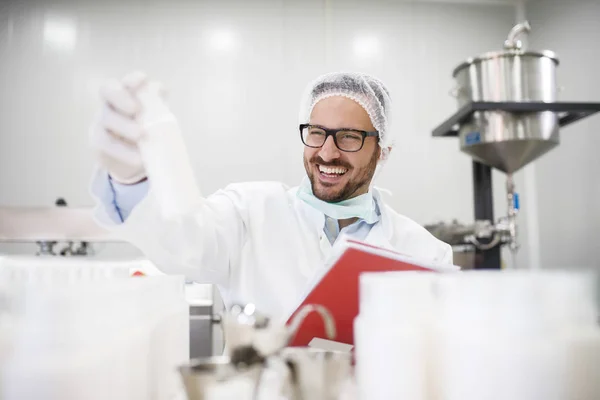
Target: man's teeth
{"type": "Point", "coordinates": [333, 170]}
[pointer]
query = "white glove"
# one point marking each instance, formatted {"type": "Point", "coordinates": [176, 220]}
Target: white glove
{"type": "Point", "coordinates": [115, 133]}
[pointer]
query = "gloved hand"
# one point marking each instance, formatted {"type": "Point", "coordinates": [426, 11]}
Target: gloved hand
{"type": "Point", "coordinates": [138, 136]}
{"type": "Point", "coordinates": [115, 132]}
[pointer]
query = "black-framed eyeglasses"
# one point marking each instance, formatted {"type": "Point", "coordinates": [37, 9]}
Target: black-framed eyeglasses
{"type": "Point", "coordinates": [349, 140]}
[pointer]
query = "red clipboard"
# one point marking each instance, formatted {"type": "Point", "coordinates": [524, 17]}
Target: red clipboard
{"type": "Point", "coordinates": [337, 290]}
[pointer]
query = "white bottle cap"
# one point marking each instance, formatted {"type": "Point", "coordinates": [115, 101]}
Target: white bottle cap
{"type": "Point", "coordinates": [501, 300]}
{"type": "Point", "coordinates": [405, 296]}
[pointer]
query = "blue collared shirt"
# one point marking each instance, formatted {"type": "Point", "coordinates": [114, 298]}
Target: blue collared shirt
{"type": "Point", "coordinates": [357, 230]}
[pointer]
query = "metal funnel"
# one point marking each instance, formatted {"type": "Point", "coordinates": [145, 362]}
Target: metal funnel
{"type": "Point", "coordinates": [510, 156]}
{"type": "Point", "coordinates": [509, 142]}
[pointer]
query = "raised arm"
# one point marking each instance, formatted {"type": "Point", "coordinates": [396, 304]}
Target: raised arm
{"type": "Point", "coordinates": [137, 137]}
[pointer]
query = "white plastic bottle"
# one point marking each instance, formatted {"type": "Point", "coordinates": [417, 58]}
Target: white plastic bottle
{"type": "Point", "coordinates": [494, 340]}
{"type": "Point", "coordinates": [391, 335]}
{"type": "Point", "coordinates": [165, 158]}
{"type": "Point", "coordinates": [572, 312]}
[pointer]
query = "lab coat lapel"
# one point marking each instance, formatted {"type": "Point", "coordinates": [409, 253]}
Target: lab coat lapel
{"type": "Point", "coordinates": [381, 233]}
{"type": "Point", "coordinates": [377, 237]}
{"type": "Point", "coordinates": [313, 221]}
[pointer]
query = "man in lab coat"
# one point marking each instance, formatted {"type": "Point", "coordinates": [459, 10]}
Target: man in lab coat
{"type": "Point", "coordinates": [260, 242]}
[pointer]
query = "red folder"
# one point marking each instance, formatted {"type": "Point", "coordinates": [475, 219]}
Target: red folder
{"type": "Point", "coordinates": [337, 290]}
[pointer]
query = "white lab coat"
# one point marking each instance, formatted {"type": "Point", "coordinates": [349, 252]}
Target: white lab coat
{"type": "Point", "coordinates": [259, 242]}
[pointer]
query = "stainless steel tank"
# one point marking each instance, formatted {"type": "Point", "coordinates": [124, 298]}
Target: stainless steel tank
{"type": "Point", "coordinates": [500, 139]}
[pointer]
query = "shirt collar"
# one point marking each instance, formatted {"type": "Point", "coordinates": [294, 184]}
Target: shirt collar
{"type": "Point", "coordinates": [331, 227]}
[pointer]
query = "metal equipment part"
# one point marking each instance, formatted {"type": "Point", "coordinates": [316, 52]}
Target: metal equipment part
{"type": "Point", "coordinates": [508, 116]}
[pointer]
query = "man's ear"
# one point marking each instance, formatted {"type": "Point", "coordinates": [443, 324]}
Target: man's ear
{"type": "Point", "coordinates": [385, 153]}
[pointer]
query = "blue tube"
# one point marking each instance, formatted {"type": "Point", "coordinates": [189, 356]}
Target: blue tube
{"type": "Point", "coordinates": [516, 201]}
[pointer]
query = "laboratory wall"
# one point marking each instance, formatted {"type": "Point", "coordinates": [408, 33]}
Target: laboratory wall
{"type": "Point", "coordinates": [235, 72]}
{"type": "Point", "coordinates": [567, 180]}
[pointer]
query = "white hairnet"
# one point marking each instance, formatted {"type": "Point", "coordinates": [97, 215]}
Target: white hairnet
{"type": "Point", "coordinates": [366, 90]}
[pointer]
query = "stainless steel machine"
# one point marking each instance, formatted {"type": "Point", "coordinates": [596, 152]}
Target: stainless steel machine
{"type": "Point", "coordinates": [72, 232]}
{"type": "Point", "coordinates": [508, 116]}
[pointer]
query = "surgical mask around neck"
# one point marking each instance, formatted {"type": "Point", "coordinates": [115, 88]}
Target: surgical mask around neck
{"type": "Point", "coordinates": [362, 206]}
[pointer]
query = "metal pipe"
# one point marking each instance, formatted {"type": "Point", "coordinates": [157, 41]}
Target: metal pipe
{"type": "Point", "coordinates": [513, 209]}
{"type": "Point", "coordinates": [515, 32]}
{"type": "Point", "coordinates": [484, 210]}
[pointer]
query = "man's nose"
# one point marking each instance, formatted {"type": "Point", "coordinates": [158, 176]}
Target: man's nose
{"type": "Point", "coordinates": [329, 151]}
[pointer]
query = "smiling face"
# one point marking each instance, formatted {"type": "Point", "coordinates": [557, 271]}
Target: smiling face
{"type": "Point", "coordinates": [336, 175]}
